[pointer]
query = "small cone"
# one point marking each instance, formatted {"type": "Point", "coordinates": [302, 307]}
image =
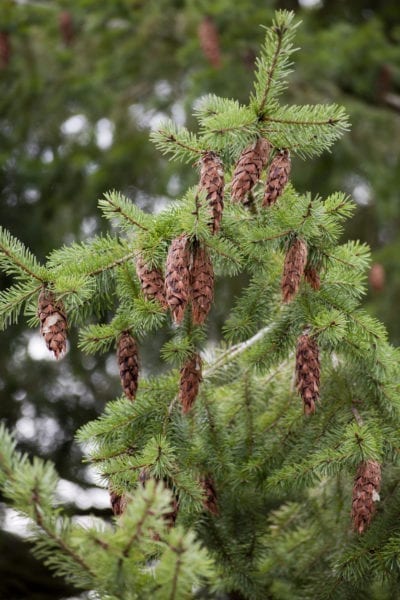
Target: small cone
{"type": "Point", "coordinates": [53, 322]}
{"type": "Point", "coordinates": [202, 285]}
{"type": "Point", "coordinates": [151, 281]}
{"type": "Point", "coordinates": [128, 363]}
{"type": "Point", "coordinates": [171, 516]}
{"type": "Point", "coordinates": [366, 488]}
{"type": "Point", "coordinates": [177, 280]}
{"type": "Point", "coordinates": [377, 277]}
{"type": "Point", "coordinates": [66, 25]}
{"type": "Point", "coordinates": [312, 277]}
{"type": "Point", "coordinates": [118, 503]}
{"type": "Point", "coordinates": [212, 181]}
{"type": "Point", "coordinates": [278, 177]}
{"type": "Point", "coordinates": [248, 169]}
{"type": "Point", "coordinates": [308, 372]}
{"type": "Point", "coordinates": [295, 262]}
{"type": "Point", "coordinates": [190, 378]}
{"type": "Point", "coordinates": [209, 41]}
{"type": "Point", "coordinates": [210, 495]}
{"type": "Point", "coordinates": [5, 49]}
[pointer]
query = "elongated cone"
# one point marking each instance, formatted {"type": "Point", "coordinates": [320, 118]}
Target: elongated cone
{"type": "Point", "coordinates": [118, 503]}
{"type": "Point", "coordinates": [53, 322]}
{"type": "Point", "coordinates": [295, 262]}
{"type": "Point", "coordinates": [367, 484]}
{"type": "Point", "coordinates": [5, 49]}
{"type": "Point", "coordinates": [377, 277]}
{"type": "Point", "coordinates": [128, 363]}
{"type": "Point", "coordinates": [212, 182]}
{"type": "Point", "coordinates": [202, 285]}
{"type": "Point", "coordinates": [312, 277]}
{"type": "Point", "coordinates": [248, 169]}
{"type": "Point", "coordinates": [66, 25]}
{"type": "Point", "coordinates": [278, 177]}
{"type": "Point", "coordinates": [171, 516]}
{"type": "Point", "coordinates": [177, 279]}
{"type": "Point", "coordinates": [210, 495]}
{"type": "Point", "coordinates": [190, 378]}
{"type": "Point", "coordinates": [151, 281]}
{"type": "Point", "coordinates": [209, 41]}
{"type": "Point", "coordinates": [308, 372]}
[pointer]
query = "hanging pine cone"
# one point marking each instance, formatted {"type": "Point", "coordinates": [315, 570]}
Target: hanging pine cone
{"type": "Point", "coordinates": [128, 363]}
{"type": "Point", "coordinates": [366, 488]}
{"type": "Point", "coordinates": [312, 277]}
{"type": "Point", "coordinates": [66, 25]}
{"type": "Point", "coordinates": [53, 322]}
{"type": "Point", "coordinates": [190, 378]}
{"type": "Point", "coordinates": [151, 281]}
{"type": "Point", "coordinates": [295, 262]}
{"type": "Point", "coordinates": [202, 284]}
{"type": "Point", "coordinates": [212, 181]}
{"type": "Point", "coordinates": [377, 277]}
{"type": "Point", "coordinates": [5, 49]}
{"type": "Point", "coordinates": [308, 372]}
{"type": "Point", "coordinates": [278, 177]}
{"type": "Point", "coordinates": [118, 503]}
{"type": "Point", "coordinates": [177, 280]}
{"type": "Point", "coordinates": [210, 495]}
{"type": "Point", "coordinates": [248, 169]}
{"type": "Point", "coordinates": [171, 516]}
{"type": "Point", "coordinates": [209, 41]}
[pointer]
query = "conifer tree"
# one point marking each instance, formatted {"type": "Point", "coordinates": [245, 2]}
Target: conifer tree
{"type": "Point", "coordinates": [222, 484]}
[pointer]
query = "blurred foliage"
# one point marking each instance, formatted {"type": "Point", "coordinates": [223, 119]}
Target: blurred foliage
{"type": "Point", "coordinates": [82, 83]}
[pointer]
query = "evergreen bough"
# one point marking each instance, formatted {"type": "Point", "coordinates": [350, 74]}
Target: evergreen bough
{"type": "Point", "coordinates": [237, 494]}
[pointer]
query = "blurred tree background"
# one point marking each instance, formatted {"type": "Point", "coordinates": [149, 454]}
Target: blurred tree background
{"type": "Point", "coordinates": [81, 85]}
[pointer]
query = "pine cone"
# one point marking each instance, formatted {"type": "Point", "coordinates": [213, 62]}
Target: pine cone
{"type": "Point", "coordinates": [190, 377]}
{"type": "Point", "coordinates": [66, 26]}
{"type": "Point", "coordinates": [248, 169]}
{"type": "Point", "coordinates": [210, 500]}
{"type": "Point", "coordinates": [177, 280]}
{"type": "Point", "coordinates": [377, 277]}
{"type": "Point", "coordinates": [151, 281]}
{"type": "Point", "coordinates": [366, 488]}
{"type": "Point", "coordinates": [308, 372]}
{"type": "Point", "coordinates": [278, 177]}
{"type": "Point", "coordinates": [118, 503]}
{"type": "Point", "coordinates": [171, 516]}
{"type": "Point", "coordinates": [202, 285]}
{"type": "Point", "coordinates": [209, 41]}
{"type": "Point", "coordinates": [128, 363]}
{"type": "Point", "coordinates": [312, 277]}
{"type": "Point", "coordinates": [212, 181]}
{"type": "Point", "coordinates": [295, 262]}
{"type": "Point", "coordinates": [53, 322]}
{"type": "Point", "coordinates": [5, 49]}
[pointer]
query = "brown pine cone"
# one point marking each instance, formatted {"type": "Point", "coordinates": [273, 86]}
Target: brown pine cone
{"type": "Point", "coordinates": [367, 484]}
{"type": "Point", "coordinates": [118, 503]}
{"type": "Point", "coordinates": [312, 277]}
{"type": "Point", "coordinates": [210, 495]}
{"type": "Point", "coordinates": [5, 49]}
{"type": "Point", "coordinates": [248, 169]}
{"type": "Point", "coordinates": [209, 41]}
{"type": "Point", "coordinates": [202, 285]}
{"type": "Point", "coordinates": [171, 516]}
{"type": "Point", "coordinates": [177, 279]}
{"type": "Point", "coordinates": [295, 262]}
{"type": "Point", "coordinates": [377, 277]}
{"type": "Point", "coordinates": [53, 322]}
{"type": "Point", "coordinates": [212, 181]}
{"type": "Point", "coordinates": [308, 372]}
{"type": "Point", "coordinates": [128, 363]}
{"type": "Point", "coordinates": [278, 177]}
{"type": "Point", "coordinates": [190, 378]}
{"type": "Point", "coordinates": [151, 281]}
{"type": "Point", "coordinates": [66, 26]}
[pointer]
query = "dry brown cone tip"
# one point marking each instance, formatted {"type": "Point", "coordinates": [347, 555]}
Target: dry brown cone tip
{"type": "Point", "coordinates": [308, 372]}
{"type": "Point", "coordinates": [53, 322]}
{"type": "Point", "coordinates": [367, 484]}
{"type": "Point", "coordinates": [278, 177]}
{"type": "Point", "coordinates": [151, 282]}
{"type": "Point", "coordinates": [118, 503]}
{"type": "Point", "coordinates": [212, 182]}
{"type": "Point", "coordinates": [311, 275]}
{"type": "Point", "coordinates": [209, 41]}
{"type": "Point", "coordinates": [248, 169]}
{"type": "Point", "coordinates": [295, 263]}
{"type": "Point", "coordinates": [190, 378]}
{"type": "Point", "coordinates": [177, 279]}
{"type": "Point", "coordinates": [210, 494]}
{"type": "Point", "coordinates": [128, 364]}
{"type": "Point", "coordinates": [202, 285]}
